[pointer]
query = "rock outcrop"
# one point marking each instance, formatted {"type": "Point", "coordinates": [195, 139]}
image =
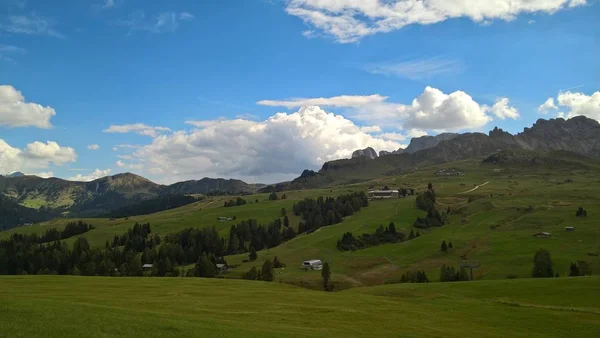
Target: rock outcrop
{"type": "Point", "coordinates": [426, 142]}
{"type": "Point", "coordinates": [367, 152]}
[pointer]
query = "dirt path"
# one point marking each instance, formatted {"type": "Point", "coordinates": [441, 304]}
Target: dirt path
{"type": "Point", "coordinates": [477, 187]}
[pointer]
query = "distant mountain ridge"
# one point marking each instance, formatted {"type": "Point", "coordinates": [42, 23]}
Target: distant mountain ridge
{"type": "Point", "coordinates": [107, 193]}
{"type": "Point", "coordinates": [579, 135]}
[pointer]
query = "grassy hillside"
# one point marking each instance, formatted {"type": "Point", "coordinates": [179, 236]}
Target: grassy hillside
{"type": "Point", "coordinates": [494, 224]}
{"type": "Point", "coordinates": [176, 307]}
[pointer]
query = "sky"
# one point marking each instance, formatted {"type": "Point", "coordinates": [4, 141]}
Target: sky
{"type": "Point", "coordinates": [260, 90]}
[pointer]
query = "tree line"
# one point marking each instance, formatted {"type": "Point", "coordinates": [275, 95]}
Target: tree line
{"type": "Point", "coordinates": [381, 236]}
{"type": "Point", "coordinates": [327, 211]}
{"type": "Point", "coordinates": [151, 206]}
{"type": "Point", "coordinates": [235, 203]}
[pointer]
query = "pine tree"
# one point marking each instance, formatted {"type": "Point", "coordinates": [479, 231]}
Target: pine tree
{"type": "Point", "coordinates": [418, 234]}
{"type": "Point", "coordinates": [286, 221]}
{"type": "Point", "coordinates": [253, 256]}
{"type": "Point", "coordinates": [326, 275]}
{"type": "Point", "coordinates": [392, 228]}
{"type": "Point", "coordinates": [283, 212]}
{"type": "Point", "coordinates": [430, 186]}
{"type": "Point", "coordinates": [412, 234]}
{"type": "Point", "coordinates": [542, 264]}
{"type": "Point", "coordinates": [267, 273]}
{"type": "Point", "coordinates": [204, 267]}
{"type": "Point", "coordinates": [252, 274]}
{"type": "Point", "coordinates": [450, 245]}
{"type": "Point", "coordinates": [444, 247]}
{"type": "Point", "coordinates": [277, 264]}
{"type": "Point", "coordinates": [574, 270]}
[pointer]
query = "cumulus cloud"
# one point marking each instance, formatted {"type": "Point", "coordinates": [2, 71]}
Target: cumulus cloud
{"type": "Point", "coordinates": [502, 110]}
{"type": "Point", "coordinates": [416, 133]}
{"type": "Point", "coordinates": [349, 20]}
{"type": "Point", "coordinates": [35, 156]}
{"type": "Point", "coordinates": [96, 174]}
{"type": "Point", "coordinates": [370, 129]}
{"type": "Point", "coordinates": [276, 149]}
{"type": "Point", "coordinates": [393, 136]}
{"type": "Point", "coordinates": [15, 112]}
{"type": "Point", "coordinates": [138, 128]}
{"type": "Point", "coordinates": [336, 101]}
{"type": "Point", "coordinates": [93, 147]}
{"type": "Point", "coordinates": [547, 106]}
{"type": "Point", "coordinates": [431, 110]}
{"type": "Point", "coordinates": [45, 174]}
{"type": "Point", "coordinates": [580, 104]}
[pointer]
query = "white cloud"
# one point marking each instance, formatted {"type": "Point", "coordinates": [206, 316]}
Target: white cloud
{"type": "Point", "coordinates": [580, 104]}
{"type": "Point", "coordinates": [125, 146]}
{"type": "Point", "coordinates": [109, 4]}
{"type": "Point", "coordinates": [502, 110]}
{"type": "Point", "coordinates": [418, 69]}
{"type": "Point", "coordinates": [30, 25]}
{"type": "Point", "coordinates": [45, 174]}
{"type": "Point", "coordinates": [393, 136]}
{"type": "Point", "coordinates": [267, 151]}
{"type": "Point", "coordinates": [432, 110]}
{"type": "Point", "coordinates": [162, 23]}
{"type": "Point", "coordinates": [35, 156]}
{"type": "Point", "coordinates": [93, 147]}
{"type": "Point", "coordinates": [413, 133]}
{"type": "Point", "coordinates": [122, 164]}
{"type": "Point", "coordinates": [547, 106]}
{"type": "Point", "coordinates": [336, 101]}
{"type": "Point", "coordinates": [138, 128]}
{"type": "Point", "coordinates": [7, 51]}
{"type": "Point", "coordinates": [531, 22]}
{"type": "Point", "coordinates": [96, 174]}
{"type": "Point", "coordinates": [350, 20]}
{"type": "Point", "coordinates": [15, 112]}
{"type": "Point", "coordinates": [186, 16]}
{"type": "Point", "coordinates": [370, 129]}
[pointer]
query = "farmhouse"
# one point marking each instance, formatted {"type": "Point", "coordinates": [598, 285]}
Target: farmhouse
{"type": "Point", "coordinates": [147, 267]}
{"type": "Point", "coordinates": [543, 235]}
{"type": "Point", "coordinates": [314, 264]}
{"type": "Point", "coordinates": [569, 229]}
{"type": "Point", "coordinates": [383, 194]}
{"type": "Point", "coordinates": [224, 219]}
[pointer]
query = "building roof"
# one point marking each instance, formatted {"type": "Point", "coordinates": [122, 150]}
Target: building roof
{"type": "Point", "coordinates": [147, 266]}
{"type": "Point", "coordinates": [314, 261]}
{"type": "Point", "coordinates": [221, 266]}
{"type": "Point", "coordinates": [383, 191]}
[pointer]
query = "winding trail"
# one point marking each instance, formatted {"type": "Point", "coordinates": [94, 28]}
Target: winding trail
{"type": "Point", "coordinates": [477, 187]}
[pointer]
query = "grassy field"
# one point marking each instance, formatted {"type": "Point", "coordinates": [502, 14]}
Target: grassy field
{"type": "Point", "coordinates": [62, 306]}
{"type": "Point", "coordinates": [494, 224]}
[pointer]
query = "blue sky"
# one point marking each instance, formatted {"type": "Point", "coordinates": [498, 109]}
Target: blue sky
{"type": "Point", "coordinates": [203, 81]}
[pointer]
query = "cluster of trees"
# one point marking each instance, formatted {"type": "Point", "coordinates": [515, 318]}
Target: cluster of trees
{"type": "Point", "coordinates": [327, 211]}
{"type": "Point", "coordinates": [151, 206]}
{"type": "Point", "coordinates": [249, 235]}
{"type": "Point", "coordinates": [414, 277]}
{"type": "Point", "coordinates": [381, 236]}
{"type": "Point", "coordinates": [426, 202]}
{"type": "Point", "coordinates": [414, 235]}
{"type": "Point", "coordinates": [70, 230]}
{"type": "Point", "coordinates": [580, 268]}
{"type": "Point", "coordinates": [450, 274]}
{"type": "Point", "coordinates": [234, 203]}
{"type": "Point", "coordinates": [581, 212]}
{"type": "Point", "coordinates": [445, 247]}
{"type": "Point", "coordinates": [26, 255]}
{"type": "Point", "coordinates": [266, 273]}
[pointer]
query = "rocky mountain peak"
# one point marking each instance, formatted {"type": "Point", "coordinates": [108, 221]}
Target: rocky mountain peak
{"type": "Point", "coordinates": [367, 152]}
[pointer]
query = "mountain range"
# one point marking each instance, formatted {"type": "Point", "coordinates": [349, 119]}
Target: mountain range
{"type": "Point", "coordinates": [579, 135]}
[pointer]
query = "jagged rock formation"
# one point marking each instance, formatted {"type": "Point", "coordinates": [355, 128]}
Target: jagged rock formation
{"type": "Point", "coordinates": [395, 152]}
{"type": "Point", "coordinates": [367, 152]}
{"type": "Point", "coordinates": [426, 142]}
